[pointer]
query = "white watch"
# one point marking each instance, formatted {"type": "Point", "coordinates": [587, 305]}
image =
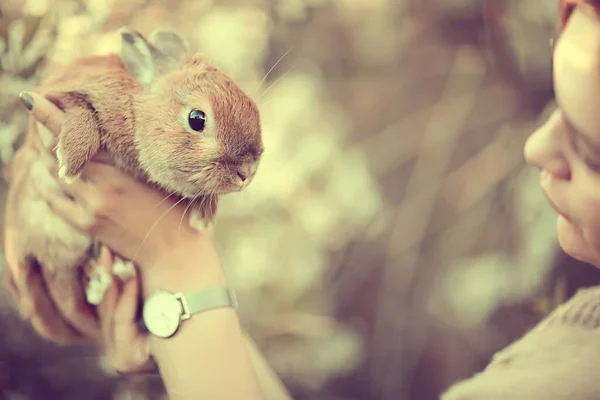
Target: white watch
{"type": "Point", "coordinates": [163, 311]}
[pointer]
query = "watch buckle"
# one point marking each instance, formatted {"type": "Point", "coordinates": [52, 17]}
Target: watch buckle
{"type": "Point", "coordinates": [185, 310]}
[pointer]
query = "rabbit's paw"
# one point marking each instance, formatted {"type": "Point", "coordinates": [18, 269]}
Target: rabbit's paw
{"type": "Point", "coordinates": [124, 270]}
{"type": "Point", "coordinates": [100, 281]}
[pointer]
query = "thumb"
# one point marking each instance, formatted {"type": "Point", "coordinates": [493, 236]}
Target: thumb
{"type": "Point", "coordinates": [127, 307]}
{"type": "Point", "coordinates": [133, 346]}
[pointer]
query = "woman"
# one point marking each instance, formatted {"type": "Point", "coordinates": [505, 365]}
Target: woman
{"type": "Point", "coordinates": [558, 359]}
{"type": "Point", "coordinates": [209, 356]}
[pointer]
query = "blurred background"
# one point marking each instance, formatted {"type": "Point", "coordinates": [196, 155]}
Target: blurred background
{"type": "Point", "coordinates": [394, 238]}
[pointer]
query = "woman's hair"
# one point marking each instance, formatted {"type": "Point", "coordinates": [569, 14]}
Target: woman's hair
{"type": "Point", "coordinates": [566, 7]}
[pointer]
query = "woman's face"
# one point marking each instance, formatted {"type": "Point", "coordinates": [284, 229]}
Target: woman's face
{"type": "Point", "coordinates": [567, 147]}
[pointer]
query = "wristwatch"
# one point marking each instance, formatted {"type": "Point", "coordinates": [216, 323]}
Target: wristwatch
{"type": "Point", "coordinates": [163, 311]}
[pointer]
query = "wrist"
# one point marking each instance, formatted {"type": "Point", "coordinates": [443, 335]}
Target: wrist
{"type": "Point", "coordinates": [183, 267]}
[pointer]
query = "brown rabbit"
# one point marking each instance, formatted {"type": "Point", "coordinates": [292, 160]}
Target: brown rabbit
{"type": "Point", "coordinates": [164, 116]}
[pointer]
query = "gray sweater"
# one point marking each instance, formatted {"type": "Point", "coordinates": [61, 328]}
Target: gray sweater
{"type": "Point", "coordinates": [557, 359]}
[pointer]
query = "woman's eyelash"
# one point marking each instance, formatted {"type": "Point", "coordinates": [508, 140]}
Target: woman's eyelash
{"type": "Point", "coordinates": [595, 168]}
{"type": "Point", "coordinates": [573, 136]}
{"type": "Point", "coordinates": [593, 165]}
{"type": "Point", "coordinates": [574, 140]}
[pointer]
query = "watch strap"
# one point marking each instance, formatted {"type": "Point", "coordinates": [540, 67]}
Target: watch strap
{"type": "Point", "coordinates": [206, 299]}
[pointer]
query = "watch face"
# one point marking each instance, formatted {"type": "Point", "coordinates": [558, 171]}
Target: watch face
{"type": "Point", "coordinates": [162, 314]}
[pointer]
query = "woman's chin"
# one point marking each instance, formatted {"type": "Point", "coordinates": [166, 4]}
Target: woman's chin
{"type": "Point", "coordinates": [572, 242]}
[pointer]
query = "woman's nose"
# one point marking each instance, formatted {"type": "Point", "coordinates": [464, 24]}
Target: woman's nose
{"type": "Point", "coordinates": [545, 149]}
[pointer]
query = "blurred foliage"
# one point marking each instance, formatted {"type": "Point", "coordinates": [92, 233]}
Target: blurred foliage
{"type": "Point", "coordinates": [393, 238]}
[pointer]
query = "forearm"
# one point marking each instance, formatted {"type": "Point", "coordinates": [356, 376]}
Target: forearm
{"type": "Point", "coordinates": [271, 385]}
{"type": "Point", "coordinates": [207, 357]}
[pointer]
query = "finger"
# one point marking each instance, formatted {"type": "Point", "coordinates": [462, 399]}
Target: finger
{"type": "Point", "coordinates": [142, 359]}
{"type": "Point", "coordinates": [66, 290]}
{"type": "Point", "coordinates": [126, 328]}
{"type": "Point", "coordinates": [106, 308]}
{"type": "Point", "coordinates": [49, 144]}
{"type": "Point", "coordinates": [101, 171]}
{"type": "Point", "coordinates": [37, 305]}
{"type": "Point", "coordinates": [75, 188]}
{"type": "Point", "coordinates": [44, 111]}
{"type": "Point", "coordinates": [24, 156]}
{"type": "Point", "coordinates": [46, 139]}
{"type": "Point", "coordinates": [134, 358]}
{"type": "Point", "coordinates": [80, 190]}
{"type": "Point", "coordinates": [132, 347]}
{"type": "Point", "coordinates": [9, 282]}
{"type": "Point", "coordinates": [72, 212]}
{"type": "Point", "coordinates": [127, 307]}
{"type": "Point", "coordinates": [41, 177]}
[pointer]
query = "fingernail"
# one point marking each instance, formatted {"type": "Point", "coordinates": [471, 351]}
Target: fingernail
{"type": "Point", "coordinates": [26, 99]}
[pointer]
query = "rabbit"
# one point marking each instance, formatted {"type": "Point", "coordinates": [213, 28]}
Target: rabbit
{"type": "Point", "coordinates": [165, 116]}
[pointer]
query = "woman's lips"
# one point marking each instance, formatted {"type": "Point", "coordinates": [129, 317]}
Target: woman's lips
{"type": "Point", "coordinates": [545, 177]}
{"type": "Point", "coordinates": [562, 214]}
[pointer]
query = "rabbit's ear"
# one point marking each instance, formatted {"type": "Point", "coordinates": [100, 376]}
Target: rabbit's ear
{"type": "Point", "coordinates": [169, 43]}
{"type": "Point", "coordinates": [138, 56]}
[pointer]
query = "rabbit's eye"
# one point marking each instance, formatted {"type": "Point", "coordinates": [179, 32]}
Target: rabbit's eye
{"type": "Point", "coordinates": [197, 120]}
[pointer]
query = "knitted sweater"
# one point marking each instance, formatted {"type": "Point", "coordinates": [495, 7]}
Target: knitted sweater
{"type": "Point", "coordinates": [557, 359]}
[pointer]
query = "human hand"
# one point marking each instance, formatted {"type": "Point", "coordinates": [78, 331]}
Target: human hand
{"type": "Point", "coordinates": [125, 347]}
{"type": "Point", "coordinates": [132, 218]}
{"type": "Point", "coordinates": [53, 302]}
{"type": "Point", "coordinates": [56, 307]}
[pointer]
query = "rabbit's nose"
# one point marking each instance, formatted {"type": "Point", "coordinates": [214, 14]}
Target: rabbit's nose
{"type": "Point", "coordinates": [242, 176]}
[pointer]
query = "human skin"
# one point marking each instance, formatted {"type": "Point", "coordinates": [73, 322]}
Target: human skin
{"type": "Point", "coordinates": [557, 359]}
{"type": "Point", "coordinates": [566, 148]}
{"type": "Point", "coordinates": [210, 351]}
